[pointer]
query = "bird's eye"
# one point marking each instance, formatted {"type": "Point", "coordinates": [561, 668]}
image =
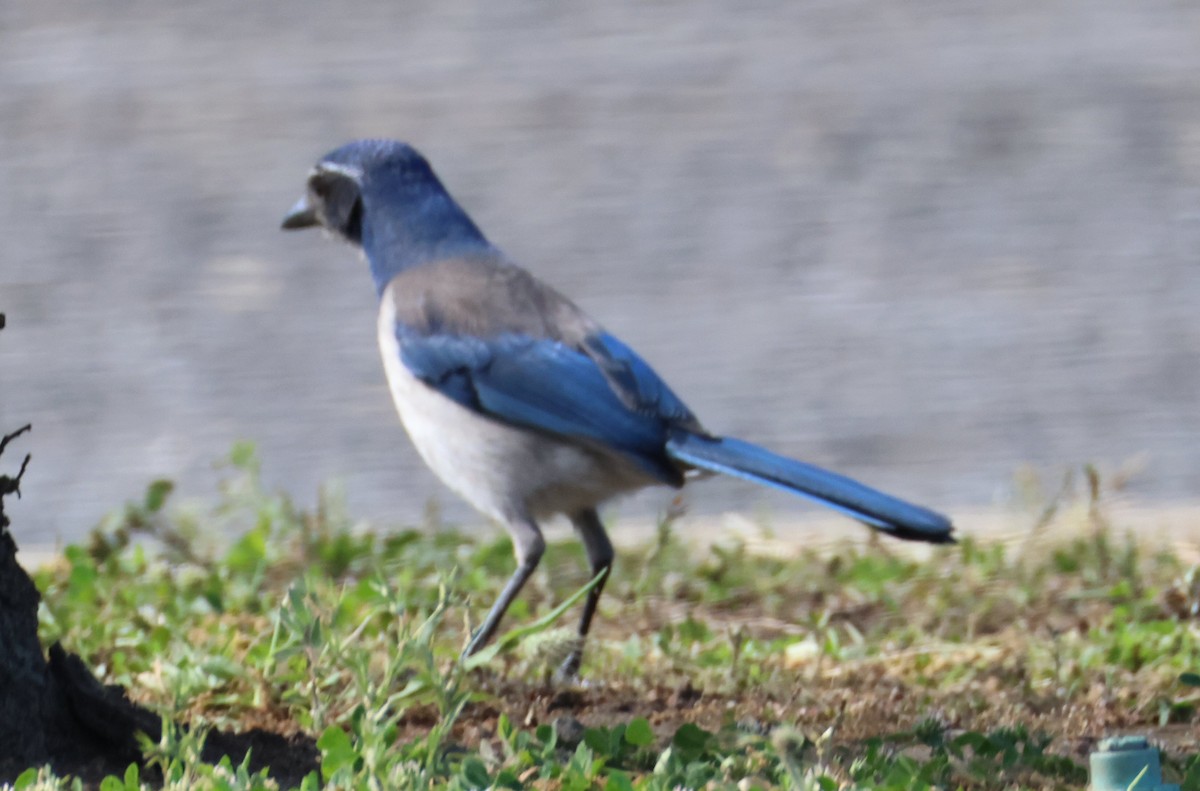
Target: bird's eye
{"type": "Point", "coordinates": [354, 222]}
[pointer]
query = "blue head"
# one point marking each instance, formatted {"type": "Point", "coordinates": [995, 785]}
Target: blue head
{"type": "Point", "coordinates": [382, 196]}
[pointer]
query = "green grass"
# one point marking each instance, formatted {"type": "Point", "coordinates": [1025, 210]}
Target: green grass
{"type": "Point", "coordinates": [978, 666]}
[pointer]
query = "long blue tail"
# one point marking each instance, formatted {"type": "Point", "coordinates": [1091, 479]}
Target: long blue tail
{"type": "Point", "coordinates": [880, 511]}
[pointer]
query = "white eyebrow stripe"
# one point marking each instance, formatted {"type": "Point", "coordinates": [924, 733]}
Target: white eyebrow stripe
{"type": "Point", "coordinates": [348, 171]}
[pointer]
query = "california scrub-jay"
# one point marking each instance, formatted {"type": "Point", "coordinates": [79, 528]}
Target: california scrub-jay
{"type": "Point", "coordinates": [518, 400]}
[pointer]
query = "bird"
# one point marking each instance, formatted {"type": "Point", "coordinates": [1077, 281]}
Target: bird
{"type": "Point", "coordinates": [517, 399]}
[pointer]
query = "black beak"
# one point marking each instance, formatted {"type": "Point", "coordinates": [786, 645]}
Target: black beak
{"type": "Point", "coordinates": [302, 215]}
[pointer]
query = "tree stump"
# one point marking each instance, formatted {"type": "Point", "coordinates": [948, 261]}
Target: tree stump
{"type": "Point", "coordinates": [54, 712]}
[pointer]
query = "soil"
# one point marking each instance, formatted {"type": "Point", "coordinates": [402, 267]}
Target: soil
{"type": "Point", "coordinates": [858, 704]}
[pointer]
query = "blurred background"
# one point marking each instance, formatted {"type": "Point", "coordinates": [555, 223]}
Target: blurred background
{"type": "Point", "coordinates": [924, 243]}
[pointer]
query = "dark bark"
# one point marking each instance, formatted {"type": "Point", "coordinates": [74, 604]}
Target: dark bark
{"type": "Point", "coordinates": [55, 712]}
{"type": "Point", "coordinates": [24, 683]}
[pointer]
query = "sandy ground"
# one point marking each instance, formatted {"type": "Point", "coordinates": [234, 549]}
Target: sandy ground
{"type": "Point", "coordinates": [1176, 527]}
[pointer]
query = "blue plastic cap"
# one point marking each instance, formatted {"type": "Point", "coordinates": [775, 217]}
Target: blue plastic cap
{"type": "Point", "coordinates": [1127, 763]}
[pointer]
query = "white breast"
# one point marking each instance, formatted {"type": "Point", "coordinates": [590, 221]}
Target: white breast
{"type": "Point", "coordinates": [505, 472]}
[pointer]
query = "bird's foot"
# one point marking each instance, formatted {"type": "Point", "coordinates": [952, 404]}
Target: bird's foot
{"type": "Point", "coordinates": [477, 642]}
{"type": "Point", "coordinates": [568, 672]}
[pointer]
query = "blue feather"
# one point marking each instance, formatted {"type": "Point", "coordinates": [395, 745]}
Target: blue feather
{"type": "Point", "coordinates": [539, 384]}
{"type": "Point", "coordinates": [635, 381]}
{"type": "Point", "coordinates": [750, 462]}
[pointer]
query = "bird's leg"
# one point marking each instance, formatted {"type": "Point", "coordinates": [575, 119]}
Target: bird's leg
{"type": "Point", "coordinates": [600, 557]}
{"type": "Point", "coordinates": [528, 546]}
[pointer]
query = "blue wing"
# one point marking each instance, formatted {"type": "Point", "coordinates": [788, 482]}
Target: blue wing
{"type": "Point", "coordinates": [635, 382]}
{"type": "Point", "coordinates": [605, 394]}
{"type": "Point", "coordinates": [546, 385]}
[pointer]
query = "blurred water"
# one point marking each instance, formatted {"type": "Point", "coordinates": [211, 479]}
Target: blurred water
{"type": "Point", "coordinates": [923, 243]}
